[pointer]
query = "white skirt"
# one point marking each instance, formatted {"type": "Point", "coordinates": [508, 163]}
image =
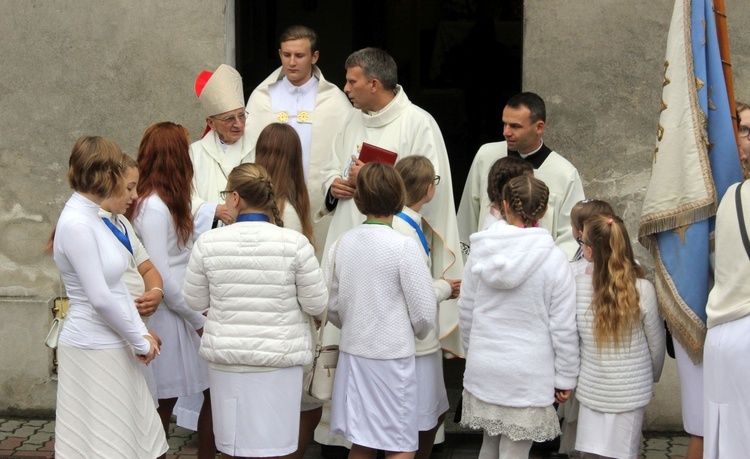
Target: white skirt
{"type": "Point", "coordinates": [256, 414]}
{"type": "Point", "coordinates": [537, 423]}
{"type": "Point", "coordinates": [178, 370]}
{"type": "Point", "coordinates": [616, 435]}
{"type": "Point", "coordinates": [375, 403]}
{"type": "Point", "coordinates": [104, 408]}
{"type": "Point", "coordinates": [432, 397]}
{"type": "Point", "coordinates": [727, 398]}
{"type": "Point", "coordinates": [691, 391]}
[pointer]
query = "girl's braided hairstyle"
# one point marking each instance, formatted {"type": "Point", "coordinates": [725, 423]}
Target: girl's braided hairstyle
{"type": "Point", "coordinates": [527, 198]}
{"type": "Point", "coordinates": [252, 183]}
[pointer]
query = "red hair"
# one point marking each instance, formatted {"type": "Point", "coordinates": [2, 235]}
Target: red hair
{"type": "Point", "coordinates": [165, 169]}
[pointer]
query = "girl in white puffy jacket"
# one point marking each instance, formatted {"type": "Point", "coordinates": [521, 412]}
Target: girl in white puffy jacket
{"type": "Point", "coordinates": [517, 320]}
{"type": "Point", "coordinates": [257, 280]}
{"type": "Point", "coordinates": [622, 342]}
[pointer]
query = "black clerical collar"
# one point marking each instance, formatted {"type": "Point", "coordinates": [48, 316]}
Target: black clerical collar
{"type": "Point", "coordinates": [536, 159]}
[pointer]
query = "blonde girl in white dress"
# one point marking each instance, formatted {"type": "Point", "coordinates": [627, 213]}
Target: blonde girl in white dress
{"type": "Point", "coordinates": [622, 343]}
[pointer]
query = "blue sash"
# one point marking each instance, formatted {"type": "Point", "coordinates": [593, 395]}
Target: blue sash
{"type": "Point", "coordinates": [253, 217]}
{"type": "Point", "coordinates": [414, 225]}
{"type": "Point", "coordinates": [122, 237]}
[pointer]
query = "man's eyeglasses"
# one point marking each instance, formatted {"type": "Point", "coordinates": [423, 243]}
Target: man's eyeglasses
{"type": "Point", "coordinates": [223, 194]}
{"type": "Point", "coordinates": [231, 119]}
{"type": "Point", "coordinates": [436, 180]}
{"type": "Point", "coordinates": [744, 131]}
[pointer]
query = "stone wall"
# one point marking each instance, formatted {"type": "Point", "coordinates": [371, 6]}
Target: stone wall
{"type": "Point", "coordinates": [72, 68]}
{"type": "Point", "coordinates": [598, 65]}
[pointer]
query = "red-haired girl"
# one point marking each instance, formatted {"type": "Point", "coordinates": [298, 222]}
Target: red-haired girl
{"type": "Point", "coordinates": [162, 218]}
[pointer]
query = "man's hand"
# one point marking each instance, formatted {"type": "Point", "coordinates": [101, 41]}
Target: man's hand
{"type": "Point", "coordinates": [148, 303]}
{"type": "Point", "coordinates": [223, 214]}
{"type": "Point", "coordinates": [354, 170]}
{"type": "Point", "coordinates": [562, 395]}
{"type": "Point", "coordinates": [341, 189]}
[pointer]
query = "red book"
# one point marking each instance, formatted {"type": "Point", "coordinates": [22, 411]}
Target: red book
{"type": "Point", "coordinates": [369, 153]}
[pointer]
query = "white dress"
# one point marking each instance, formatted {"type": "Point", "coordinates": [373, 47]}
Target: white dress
{"type": "Point", "coordinates": [178, 371]}
{"type": "Point", "coordinates": [104, 408]}
{"type": "Point", "coordinates": [134, 280]}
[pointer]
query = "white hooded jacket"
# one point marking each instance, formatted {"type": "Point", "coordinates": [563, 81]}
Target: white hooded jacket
{"type": "Point", "coordinates": [517, 318]}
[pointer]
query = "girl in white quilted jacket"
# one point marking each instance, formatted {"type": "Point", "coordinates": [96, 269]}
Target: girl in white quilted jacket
{"type": "Point", "coordinates": [258, 281]}
{"type": "Point", "coordinates": [622, 343]}
{"type": "Point", "coordinates": [517, 319]}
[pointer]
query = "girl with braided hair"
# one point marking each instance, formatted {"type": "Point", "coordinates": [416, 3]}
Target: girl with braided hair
{"type": "Point", "coordinates": [517, 321]}
{"type": "Point", "coordinates": [622, 342]}
{"type": "Point", "coordinates": [500, 173]}
{"type": "Point", "coordinates": [260, 282]}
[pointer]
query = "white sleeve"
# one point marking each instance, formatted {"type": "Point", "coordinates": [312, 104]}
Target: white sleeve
{"type": "Point", "coordinates": [196, 288]}
{"type": "Point", "coordinates": [335, 164]}
{"type": "Point", "coordinates": [83, 256]}
{"type": "Point", "coordinates": [564, 232]}
{"type": "Point", "coordinates": [203, 220]}
{"type": "Point", "coordinates": [418, 288]}
{"type": "Point", "coordinates": [562, 326]}
{"type": "Point", "coordinates": [333, 294]}
{"type": "Point", "coordinates": [139, 252]}
{"type": "Point", "coordinates": [443, 290]}
{"type": "Point", "coordinates": [312, 294]}
{"type": "Point", "coordinates": [466, 304]}
{"type": "Point", "coordinates": [468, 209]}
{"type": "Point", "coordinates": [653, 326]}
{"type": "Point", "coordinates": [154, 231]}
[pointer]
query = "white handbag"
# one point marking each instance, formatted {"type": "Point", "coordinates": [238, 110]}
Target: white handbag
{"type": "Point", "coordinates": [54, 332]}
{"type": "Point", "coordinates": [319, 381]}
{"type": "Point", "coordinates": [57, 323]}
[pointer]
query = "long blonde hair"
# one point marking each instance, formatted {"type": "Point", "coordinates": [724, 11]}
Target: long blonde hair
{"type": "Point", "coordinates": [616, 301]}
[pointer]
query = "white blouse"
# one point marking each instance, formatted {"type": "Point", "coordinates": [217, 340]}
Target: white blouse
{"type": "Point", "coordinates": [92, 262]}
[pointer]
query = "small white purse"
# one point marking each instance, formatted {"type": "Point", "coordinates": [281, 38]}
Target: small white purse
{"type": "Point", "coordinates": [319, 382]}
{"type": "Point", "coordinates": [54, 332]}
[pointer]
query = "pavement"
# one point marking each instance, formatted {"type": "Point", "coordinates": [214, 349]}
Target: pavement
{"type": "Point", "coordinates": [35, 438]}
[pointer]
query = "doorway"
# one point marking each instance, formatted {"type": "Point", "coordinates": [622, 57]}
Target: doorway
{"type": "Point", "coordinates": [448, 54]}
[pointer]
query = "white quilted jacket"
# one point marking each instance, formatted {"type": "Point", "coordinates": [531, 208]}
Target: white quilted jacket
{"type": "Point", "coordinates": [259, 282]}
{"type": "Point", "coordinates": [619, 380]}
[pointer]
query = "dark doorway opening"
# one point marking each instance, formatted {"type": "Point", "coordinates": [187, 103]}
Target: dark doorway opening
{"type": "Point", "coordinates": [458, 59]}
